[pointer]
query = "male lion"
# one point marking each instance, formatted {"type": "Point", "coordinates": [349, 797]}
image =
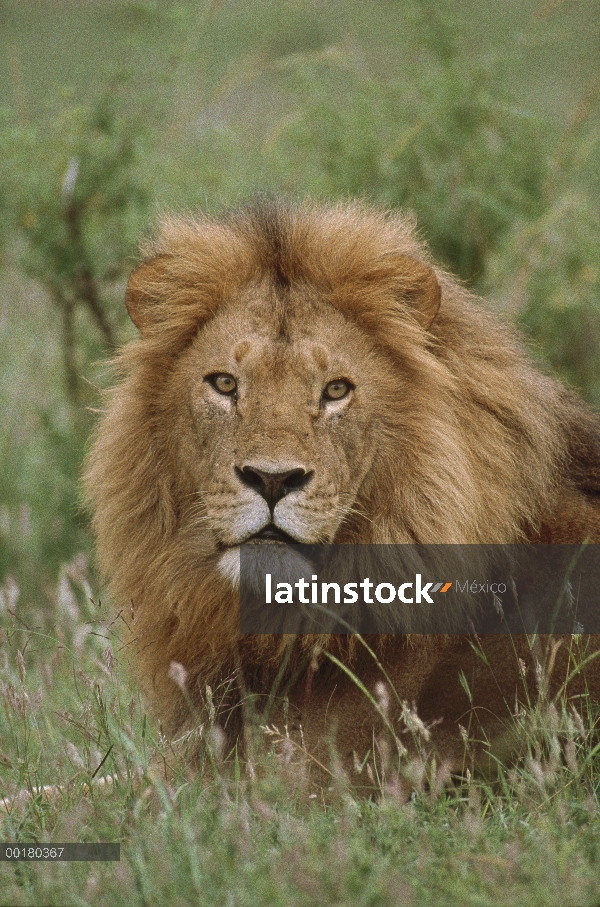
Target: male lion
{"type": "Point", "coordinates": [306, 374]}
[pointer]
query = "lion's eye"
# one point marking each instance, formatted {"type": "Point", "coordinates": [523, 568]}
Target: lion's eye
{"type": "Point", "coordinates": [223, 383]}
{"type": "Point", "coordinates": [335, 390]}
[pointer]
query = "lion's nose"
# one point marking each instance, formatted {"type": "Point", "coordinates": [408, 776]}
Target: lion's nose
{"type": "Point", "coordinates": [273, 486]}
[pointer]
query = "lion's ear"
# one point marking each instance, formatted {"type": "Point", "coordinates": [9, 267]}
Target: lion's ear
{"type": "Point", "coordinates": [145, 288]}
{"type": "Point", "coordinates": [419, 288]}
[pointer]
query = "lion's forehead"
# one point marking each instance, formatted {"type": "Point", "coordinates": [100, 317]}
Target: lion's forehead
{"type": "Point", "coordinates": [270, 337]}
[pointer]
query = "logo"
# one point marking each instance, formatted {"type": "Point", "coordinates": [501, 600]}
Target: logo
{"type": "Point", "coordinates": [416, 592]}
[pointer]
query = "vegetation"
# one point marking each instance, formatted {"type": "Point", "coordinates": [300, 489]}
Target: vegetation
{"type": "Point", "coordinates": [123, 109]}
{"type": "Point", "coordinates": [257, 830]}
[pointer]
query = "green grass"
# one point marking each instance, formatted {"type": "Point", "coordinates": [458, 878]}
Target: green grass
{"type": "Point", "coordinates": [257, 830]}
{"type": "Point", "coordinates": [483, 120]}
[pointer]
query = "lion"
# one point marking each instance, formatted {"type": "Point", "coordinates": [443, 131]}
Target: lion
{"type": "Point", "coordinates": [306, 374]}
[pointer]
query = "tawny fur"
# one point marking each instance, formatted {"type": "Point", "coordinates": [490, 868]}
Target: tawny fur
{"type": "Point", "coordinates": [473, 445]}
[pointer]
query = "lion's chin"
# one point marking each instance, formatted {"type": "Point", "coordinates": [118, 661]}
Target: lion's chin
{"type": "Point", "coordinates": [229, 567]}
{"type": "Point", "coordinates": [268, 557]}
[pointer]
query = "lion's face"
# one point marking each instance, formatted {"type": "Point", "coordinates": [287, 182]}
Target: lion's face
{"type": "Point", "coordinates": [279, 404]}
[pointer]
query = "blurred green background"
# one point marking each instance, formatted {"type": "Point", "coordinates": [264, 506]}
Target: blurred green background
{"type": "Point", "coordinates": [483, 119]}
